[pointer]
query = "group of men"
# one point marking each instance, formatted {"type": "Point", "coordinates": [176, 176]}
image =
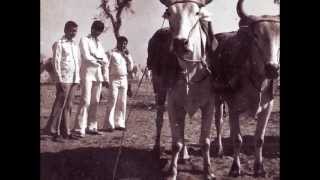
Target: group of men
{"type": "Point", "coordinates": [92, 67]}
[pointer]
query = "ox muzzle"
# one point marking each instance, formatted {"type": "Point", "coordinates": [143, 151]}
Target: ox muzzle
{"type": "Point", "coordinates": [272, 70]}
{"type": "Point", "coordinates": [180, 46]}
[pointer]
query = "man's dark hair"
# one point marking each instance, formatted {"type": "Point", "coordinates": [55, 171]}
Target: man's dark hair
{"type": "Point", "coordinates": [97, 25]}
{"type": "Point", "coordinates": [70, 24]}
{"type": "Point", "coordinates": [122, 39]}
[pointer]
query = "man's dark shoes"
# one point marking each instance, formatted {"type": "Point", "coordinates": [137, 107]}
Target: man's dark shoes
{"type": "Point", "coordinates": [72, 137]}
{"type": "Point", "coordinates": [120, 128]}
{"type": "Point", "coordinates": [94, 132]}
{"type": "Point", "coordinates": [108, 130]}
{"type": "Point", "coordinates": [58, 138]}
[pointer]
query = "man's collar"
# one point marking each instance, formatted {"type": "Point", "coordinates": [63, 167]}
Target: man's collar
{"type": "Point", "coordinates": [90, 36]}
{"type": "Point", "coordinates": [64, 39]}
{"type": "Point", "coordinates": [115, 49]}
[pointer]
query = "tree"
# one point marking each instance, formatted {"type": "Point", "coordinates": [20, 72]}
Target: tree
{"type": "Point", "coordinates": [113, 13]}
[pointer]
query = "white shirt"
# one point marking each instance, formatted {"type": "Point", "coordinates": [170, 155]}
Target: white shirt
{"type": "Point", "coordinates": [119, 63]}
{"type": "Point", "coordinates": [66, 61]}
{"type": "Point", "coordinates": [91, 49]}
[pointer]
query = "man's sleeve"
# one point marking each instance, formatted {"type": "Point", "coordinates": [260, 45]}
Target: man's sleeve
{"type": "Point", "coordinates": [85, 52]}
{"type": "Point", "coordinates": [105, 68]}
{"type": "Point", "coordinates": [57, 49]}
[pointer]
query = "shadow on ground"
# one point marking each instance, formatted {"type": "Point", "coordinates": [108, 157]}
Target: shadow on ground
{"type": "Point", "coordinates": [97, 164]}
{"type": "Point", "coordinates": [271, 147]}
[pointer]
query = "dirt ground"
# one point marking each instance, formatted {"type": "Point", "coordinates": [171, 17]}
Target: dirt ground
{"type": "Point", "coordinates": [94, 157]}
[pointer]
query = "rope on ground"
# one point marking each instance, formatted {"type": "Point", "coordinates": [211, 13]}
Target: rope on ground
{"type": "Point", "coordinates": [115, 168]}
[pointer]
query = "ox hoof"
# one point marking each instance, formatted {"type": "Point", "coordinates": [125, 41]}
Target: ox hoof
{"type": "Point", "coordinates": [220, 152]}
{"type": "Point", "coordinates": [210, 177]}
{"type": "Point", "coordinates": [217, 150]}
{"type": "Point", "coordinates": [208, 174]}
{"type": "Point", "coordinates": [235, 170]}
{"type": "Point", "coordinates": [259, 170]}
{"type": "Point", "coordinates": [171, 175]}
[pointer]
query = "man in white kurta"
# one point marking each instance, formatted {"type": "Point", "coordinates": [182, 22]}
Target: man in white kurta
{"type": "Point", "coordinates": [65, 63]}
{"type": "Point", "coordinates": [93, 59]}
{"type": "Point", "coordinates": [120, 62]}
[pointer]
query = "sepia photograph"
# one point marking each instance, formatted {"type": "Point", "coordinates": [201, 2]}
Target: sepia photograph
{"type": "Point", "coordinates": [159, 90]}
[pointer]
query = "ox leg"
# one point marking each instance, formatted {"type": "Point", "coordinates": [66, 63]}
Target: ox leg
{"type": "Point", "coordinates": [159, 123]}
{"type": "Point", "coordinates": [219, 122]}
{"type": "Point", "coordinates": [263, 118]}
{"type": "Point", "coordinates": [206, 122]}
{"type": "Point", "coordinates": [235, 170]}
{"type": "Point", "coordinates": [177, 124]}
{"type": "Point", "coordinates": [160, 99]}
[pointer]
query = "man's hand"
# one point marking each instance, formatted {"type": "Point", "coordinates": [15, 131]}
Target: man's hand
{"type": "Point", "coordinates": [106, 84]}
{"type": "Point", "coordinates": [102, 63]}
{"type": "Point", "coordinates": [126, 51]}
{"type": "Point", "coordinates": [99, 60]}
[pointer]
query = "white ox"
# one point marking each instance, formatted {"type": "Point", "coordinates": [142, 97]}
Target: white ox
{"type": "Point", "coordinates": [192, 89]}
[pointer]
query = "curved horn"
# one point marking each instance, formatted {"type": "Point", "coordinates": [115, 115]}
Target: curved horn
{"type": "Point", "coordinates": [240, 11]}
{"type": "Point", "coordinates": [165, 2]}
{"type": "Point", "coordinates": [201, 2]}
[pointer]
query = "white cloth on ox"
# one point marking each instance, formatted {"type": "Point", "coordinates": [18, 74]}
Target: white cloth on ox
{"type": "Point", "coordinates": [205, 15]}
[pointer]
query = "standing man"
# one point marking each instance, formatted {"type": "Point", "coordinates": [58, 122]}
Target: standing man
{"type": "Point", "coordinates": [120, 63]}
{"type": "Point", "coordinates": [92, 74]}
{"type": "Point", "coordinates": [66, 75]}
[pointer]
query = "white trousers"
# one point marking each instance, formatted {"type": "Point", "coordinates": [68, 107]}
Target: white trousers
{"type": "Point", "coordinates": [87, 111]}
{"type": "Point", "coordinates": [117, 102]}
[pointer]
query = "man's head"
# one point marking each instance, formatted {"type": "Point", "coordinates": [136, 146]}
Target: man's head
{"type": "Point", "coordinates": [122, 43]}
{"type": "Point", "coordinates": [97, 28]}
{"type": "Point", "coordinates": [70, 29]}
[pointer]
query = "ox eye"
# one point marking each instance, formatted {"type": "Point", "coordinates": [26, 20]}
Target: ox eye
{"type": "Point", "coordinates": [167, 13]}
{"type": "Point", "coordinates": [197, 13]}
{"type": "Point", "coordinates": [255, 35]}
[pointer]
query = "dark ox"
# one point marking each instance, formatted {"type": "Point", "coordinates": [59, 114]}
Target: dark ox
{"type": "Point", "coordinates": [248, 62]}
{"type": "Point", "coordinates": [181, 52]}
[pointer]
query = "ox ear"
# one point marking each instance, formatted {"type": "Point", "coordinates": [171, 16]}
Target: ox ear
{"type": "Point", "coordinates": [205, 15]}
{"type": "Point", "coordinates": [166, 14]}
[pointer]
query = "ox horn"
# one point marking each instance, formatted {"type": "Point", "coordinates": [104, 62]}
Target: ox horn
{"type": "Point", "coordinates": [165, 2]}
{"type": "Point", "coordinates": [240, 11]}
{"type": "Point", "coordinates": [200, 2]}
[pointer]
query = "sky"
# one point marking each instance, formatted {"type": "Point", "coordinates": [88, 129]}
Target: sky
{"type": "Point", "coordinates": [138, 27]}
